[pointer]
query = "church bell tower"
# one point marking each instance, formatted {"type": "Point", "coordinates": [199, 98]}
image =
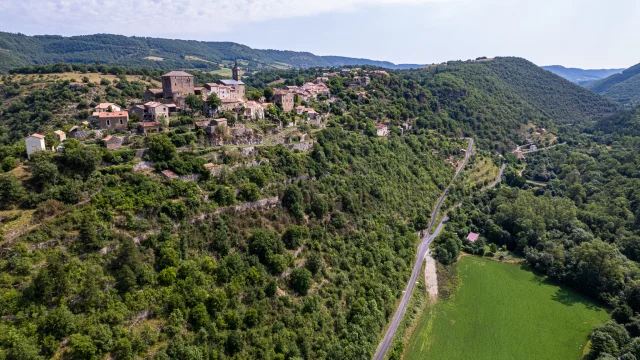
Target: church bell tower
{"type": "Point", "coordinates": [236, 74]}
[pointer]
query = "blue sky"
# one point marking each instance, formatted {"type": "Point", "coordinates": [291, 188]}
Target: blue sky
{"type": "Point", "coordinates": [578, 33]}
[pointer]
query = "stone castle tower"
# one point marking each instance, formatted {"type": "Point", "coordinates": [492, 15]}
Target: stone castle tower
{"type": "Point", "coordinates": [236, 74]}
{"type": "Point", "coordinates": [175, 83]}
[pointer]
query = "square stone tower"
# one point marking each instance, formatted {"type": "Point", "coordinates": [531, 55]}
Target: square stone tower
{"type": "Point", "coordinates": [177, 82]}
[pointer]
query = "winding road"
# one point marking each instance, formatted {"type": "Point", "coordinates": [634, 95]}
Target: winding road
{"type": "Point", "coordinates": [422, 251]}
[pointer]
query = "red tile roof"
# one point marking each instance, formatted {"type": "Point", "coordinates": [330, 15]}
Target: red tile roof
{"type": "Point", "coordinates": [473, 237]}
{"type": "Point", "coordinates": [36, 136]}
{"type": "Point", "coordinates": [170, 174]}
{"type": "Point", "coordinates": [111, 114]}
{"type": "Point", "coordinates": [107, 138]}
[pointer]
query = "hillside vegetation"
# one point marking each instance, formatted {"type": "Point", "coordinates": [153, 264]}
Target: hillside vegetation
{"type": "Point", "coordinates": [21, 50]}
{"type": "Point", "coordinates": [624, 87]}
{"type": "Point", "coordinates": [113, 261]}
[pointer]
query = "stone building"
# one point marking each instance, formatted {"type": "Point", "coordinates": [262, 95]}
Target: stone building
{"type": "Point", "coordinates": [148, 127]}
{"type": "Point", "coordinates": [284, 98]}
{"type": "Point", "coordinates": [112, 120]}
{"type": "Point", "coordinates": [177, 82]}
{"type": "Point", "coordinates": [61, 135]}
{"type": "Point", "coordinates": [112, 142]}
{"type": "Point", "coordinates": [230, 104]}
{"type": "Point", "coordinates": [153, 94]}
{"type": "Point", "coordinates": [105, 107]}
{"type": "Point", "coordinates": [237, 85]}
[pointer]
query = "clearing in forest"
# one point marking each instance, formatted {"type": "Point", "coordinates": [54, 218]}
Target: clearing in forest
{"type": "Point", "coordinates": [503, 311]}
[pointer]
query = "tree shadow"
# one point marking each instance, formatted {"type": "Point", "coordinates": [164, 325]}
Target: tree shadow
{"type": "Point", "coordinates": [564, 295]}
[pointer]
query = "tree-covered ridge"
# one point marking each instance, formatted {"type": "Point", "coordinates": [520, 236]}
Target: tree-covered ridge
{"type": "Point", "coordinates": [622, 87]}
{"type": "Point", "coordinates": [22, 50]}
{"type": "Point", "coordinates": [623, 123]}
{"type": "Point", "coordinates": [553, 96]}
{"type": "Point", "coordinates": [230, 285]}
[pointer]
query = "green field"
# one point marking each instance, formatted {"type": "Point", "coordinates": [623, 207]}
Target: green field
{"type": "Point", "coordinates": [502, 311]}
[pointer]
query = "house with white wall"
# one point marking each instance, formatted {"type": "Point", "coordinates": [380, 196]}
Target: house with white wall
{"type": "Point", "coordinates": [34, 142]}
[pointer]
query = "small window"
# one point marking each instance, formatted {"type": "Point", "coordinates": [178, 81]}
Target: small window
{"type": "Point", "coordinates": [121, 122]}
{"type": "Point", "coordinates": [108, 122]}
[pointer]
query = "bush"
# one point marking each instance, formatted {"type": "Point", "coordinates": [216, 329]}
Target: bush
{"type": "Point", "coordinates": [249, 192]}
{"type": "Point", "coordinates": [294, 236]}
{"type": "Point", "coordinates": [300, 280]}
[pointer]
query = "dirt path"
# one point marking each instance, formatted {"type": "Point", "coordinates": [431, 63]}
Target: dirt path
{"type": "Point", "coordinates": [431, 278]}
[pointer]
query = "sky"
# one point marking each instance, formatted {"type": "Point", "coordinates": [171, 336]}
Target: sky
{"type": "Point", "coordinates": [575, 33]}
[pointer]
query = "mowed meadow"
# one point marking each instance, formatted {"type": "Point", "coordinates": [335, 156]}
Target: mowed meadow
{"type": "Point", "coordinates": [503, 311]}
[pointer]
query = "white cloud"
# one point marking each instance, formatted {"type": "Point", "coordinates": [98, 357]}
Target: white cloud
{"type": "Point", "coordinates": [170, 16]}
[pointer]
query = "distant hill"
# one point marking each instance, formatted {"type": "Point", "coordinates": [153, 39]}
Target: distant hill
{"type": "Point", "coordinates": [582, 77]}
{"type": "Point", "coordinates": [22, 50]}
{"type": "Point", "coordinates": [550, 94]}
{"type": "Point", "coordinates": [624, 87]}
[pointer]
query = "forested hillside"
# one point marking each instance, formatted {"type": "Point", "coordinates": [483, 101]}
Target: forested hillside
{"type": "Point", "coordinates": [22, 50]}
{"type": "Point", "coordinates": [303, 254]}
{"type": "Point", "coordinates": [553, 96]}
{"type": "Point", "coordinates": [624, 87]}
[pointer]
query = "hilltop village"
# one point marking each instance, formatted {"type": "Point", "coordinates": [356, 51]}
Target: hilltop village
{"type": "Point", "coordinates": [219, 112]}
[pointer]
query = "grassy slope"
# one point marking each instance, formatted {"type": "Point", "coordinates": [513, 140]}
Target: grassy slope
{"type": "Point", "coordinates": [504, 312]}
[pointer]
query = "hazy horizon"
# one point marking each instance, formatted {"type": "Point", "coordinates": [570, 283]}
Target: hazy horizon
{"type": "Point", "coordinates": [546, 32]}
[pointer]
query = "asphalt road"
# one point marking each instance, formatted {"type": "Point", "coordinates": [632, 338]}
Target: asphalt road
{"type": "Point", "coordinates": [422, 251]}
{"type": "Point", "coordinates": [499, 178]}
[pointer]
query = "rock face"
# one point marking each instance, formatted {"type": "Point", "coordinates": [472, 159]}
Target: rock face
{"type": "Point", "coordinates": [236, 136]}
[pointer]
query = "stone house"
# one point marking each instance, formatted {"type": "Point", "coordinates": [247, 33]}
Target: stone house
{"type": "Point", "coordinates": [34, 142]}
{"type": "Point", "coordinates": [230, 104]}
{"type": "Point", "coordinates": [236, 85]}
{"type": "Point", "coordinates": [112, 120]}
{"type": "Point", "coordinates": [253, 110]}
{"type": "Point", "coordinates": [169, 174]}
{"type": "Point", "coordinates": [382, 130]}
{"type": "Point", "coordinates": [153, 94]}
{"type": "Point", "coordinates": [61, 135]}
{"type": "Point", "coordinates": [222, 91]}
{"type": "Point", "coordinates": [300, 110]}
{"type": "Point", "coordinates": [311, 113]}
{"type": "Point", "coordinates": [360, 81]}
{"type": "Point", "coordinates": [138, 110]}
{"type": "Point", "coordinates": [104, 107]}
{"type": "Point", "coordinates": [155, 111]}
{"type": "Point", "coordinates": [284, 98]}
{"type": "Point", "coordinates": [219, 122]}
{"type": "Point", "coordinates": [202, 124]}
{"type": "Point", "coordinates": [148, 127]}
{"type": "Point", "coordinates": [112, 142]}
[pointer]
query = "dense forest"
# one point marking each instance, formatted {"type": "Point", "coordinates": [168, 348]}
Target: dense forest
{"type": "Point", "coordinates": [623, 87]}
{"type": "Point", "coordinates": [573, 215]}
{"type": "Point", "coordinates": [22, 50]}
{"type": "Point", "coordinates": [130, 264]}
